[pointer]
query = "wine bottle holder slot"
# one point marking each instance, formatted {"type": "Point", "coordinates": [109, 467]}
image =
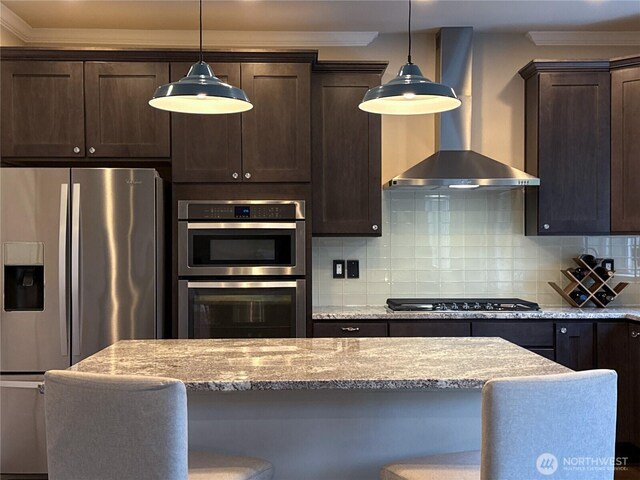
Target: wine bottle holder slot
{"type": "Point", "coordinates": [589, 283]}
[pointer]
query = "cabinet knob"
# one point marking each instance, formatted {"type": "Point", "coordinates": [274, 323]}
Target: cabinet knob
{"type": "Point", "coordinates": [546, 226]}
{"type": "Point", "coordinates": [235, 175]}
{"type": "Point", "coordinates": [635, 334]}
{"type": "Point", "coordinates": [92, 150]}
{"type": "Point", "coordinates": [247, 175]}
{"type": "Point", "coordinates": [350, 329]}
{"type": "Point", "coordinates": [563, 330]}
{"type": "Point", "coordinates": [76, 149]}
{"type": "Point", "coordinates": [374, 228]}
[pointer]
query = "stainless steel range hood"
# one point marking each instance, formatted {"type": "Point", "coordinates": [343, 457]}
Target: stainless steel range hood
{"type": "Point", "coordinates": [455, 165]}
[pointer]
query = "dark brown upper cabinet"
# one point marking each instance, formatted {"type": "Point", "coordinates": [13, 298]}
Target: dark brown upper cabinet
{"type": "Point", "coordinates": [346, 162]}
{"type": "Point", "coordinates": [276, 134]}
{"type": "Point", "coordinates": [206, 148]}
{"type": "Point", "coordinates": [83, 109]}
{"type": "Point", "coordinates": [567, 145]}
{"type": "Point", "coordinates": [625, 146]}
{"type": "Point", "coordinates": [42, 109]}
{"type": "Point", "coordinates": [119, 120]}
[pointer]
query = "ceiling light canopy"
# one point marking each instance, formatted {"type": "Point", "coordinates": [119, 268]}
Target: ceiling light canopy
{"type": "Point", "coordinates": [200, 92]}
{"type": "Point", "coordinates": [410, 92]}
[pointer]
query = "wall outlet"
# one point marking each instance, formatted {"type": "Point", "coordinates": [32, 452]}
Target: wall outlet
{"type": "Point", "coordinates": [338, 269]}
{"type": "Point", "coordinates": [353, 269]}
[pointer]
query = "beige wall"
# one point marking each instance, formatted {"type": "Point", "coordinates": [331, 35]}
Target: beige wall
{"type": "Point", "coordinates": [498, 93]}
{"type": "Point", "coordinates": [8, 39]}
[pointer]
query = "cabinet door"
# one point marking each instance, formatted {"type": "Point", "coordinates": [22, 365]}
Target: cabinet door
{"type": "Point", "coordinates": [625, 150]}
{"type": "Point", "coordinates": [359, 329]}
{"type": "Point", "coordinates": [634, 362]}
{"type": "Point", "coordinates": [42, 109]}
{"type": "Point", "coordinates": [346, 157]}
{"type": "Point", "coordinates": [120, 121]}
{"type": "Point", "coordinates": [612, 347]}
{"type": "Point", "coordinates": [429, 329]}
{"type": "Point", "coordinates": [574, 345]}
{"type": "Point", "coordinates": [206, 148]}
{"type": "Point", "coordinates": [573, 155]}
{"type": "Point", "coordinates": [276, 136]}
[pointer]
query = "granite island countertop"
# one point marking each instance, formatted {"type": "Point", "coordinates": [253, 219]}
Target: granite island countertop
{"type": "Point", "coordinates": [322, 363]}
{"type": "Point", "coordinates": [565, 313]}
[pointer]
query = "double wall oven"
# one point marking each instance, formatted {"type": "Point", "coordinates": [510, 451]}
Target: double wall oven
{"type": "Point", "coordinates": [241, 267]}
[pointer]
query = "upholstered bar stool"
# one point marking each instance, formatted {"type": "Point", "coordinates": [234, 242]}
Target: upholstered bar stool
{"type": "Point", "coordinates": [531, 426]}
{"type": "Point", "coordinates": [129, 427]}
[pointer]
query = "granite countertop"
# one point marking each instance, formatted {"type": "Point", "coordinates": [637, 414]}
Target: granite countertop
{"type": "Point", "coordinates": [321, 363]}
{"type": "Point", "coordinates": [381, 313]}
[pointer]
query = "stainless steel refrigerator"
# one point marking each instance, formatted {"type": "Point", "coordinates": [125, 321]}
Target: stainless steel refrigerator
{"type": "Point", "coordinates": [81, 269]}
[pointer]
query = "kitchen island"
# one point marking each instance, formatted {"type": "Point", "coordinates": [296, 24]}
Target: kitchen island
{"type": "Point", "coordinates": [328, 408]}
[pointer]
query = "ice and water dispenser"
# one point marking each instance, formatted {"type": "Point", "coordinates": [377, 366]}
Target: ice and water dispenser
{"type": "Point", "coordinates": [23, 276]}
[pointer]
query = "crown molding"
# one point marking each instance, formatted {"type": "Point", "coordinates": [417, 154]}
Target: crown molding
{"type": "Point", "coordinates": [593, 39]}
{"type": "Point", "coordinates": [178, 38]}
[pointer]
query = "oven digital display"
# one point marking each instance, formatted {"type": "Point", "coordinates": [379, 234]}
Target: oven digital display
{"type": "Point", "coordinates": [242, 212]}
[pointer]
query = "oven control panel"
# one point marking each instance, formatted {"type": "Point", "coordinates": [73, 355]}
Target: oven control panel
{"type": "Point", "coordinates": [238, 211]}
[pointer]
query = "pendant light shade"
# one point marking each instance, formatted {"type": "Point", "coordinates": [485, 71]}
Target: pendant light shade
{"type": "Point", "coordinates": [200, 91]}
{"type": "Point", "coordinates": [410, 93]}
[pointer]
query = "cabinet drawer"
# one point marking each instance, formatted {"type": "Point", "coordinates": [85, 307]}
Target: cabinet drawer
{"type": "Point", "coordinates": [323, 329]}
{"type": "Point", "coordinates": [526, 334]}
{"type": "Point", "coordinates": [544, 352]}
{"type": "Point", "coordinates": [430, 329]}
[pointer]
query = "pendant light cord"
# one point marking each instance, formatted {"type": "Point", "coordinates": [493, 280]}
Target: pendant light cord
{"type": "Point", "coordinates": [201, 58]}
{"type": "Point", "coordinates": [409, 33]}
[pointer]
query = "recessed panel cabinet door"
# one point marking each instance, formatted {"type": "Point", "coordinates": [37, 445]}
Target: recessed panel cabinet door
{"type": "Point", "coordinates": [574, 345]}
{"type": "Point", "coordinates": [574, 146]}
{"type": "Point", "coordinates": [206, 148]}
{"type": "Point", "coordinates": [120, 121]}
{"type": "Point", "coordinates": [346, 157]}
{"type": "Point", "coordinates": [625, 150]}
{"type": "Point", "coordinates": [276, 136]}
{"type": "Point", "coordinates": [42, 109]}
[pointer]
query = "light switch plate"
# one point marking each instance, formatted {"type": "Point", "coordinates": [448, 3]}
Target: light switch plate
{"type": "Point", "coordinates": [338, 269]}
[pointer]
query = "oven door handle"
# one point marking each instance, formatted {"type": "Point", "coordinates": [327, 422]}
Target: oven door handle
{"type": "Point", "coordinates": [240, 225]}
{"type": "Point", "coordinates": [292, 284]}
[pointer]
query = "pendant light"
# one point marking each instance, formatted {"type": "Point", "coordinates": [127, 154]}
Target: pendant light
{"type": "Point", "coordinates": [410, 93]}
{"type": "Point", "coordinates": [200, 91]}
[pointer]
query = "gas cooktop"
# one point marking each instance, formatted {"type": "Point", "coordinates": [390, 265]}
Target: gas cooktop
{"type": "Point", "coordinates": [464, 304]}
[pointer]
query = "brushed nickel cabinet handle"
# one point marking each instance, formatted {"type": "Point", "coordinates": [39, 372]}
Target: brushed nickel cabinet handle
{"type": "Point", "coordinates": [563, 330]}
{"type": "Point", "coordinates": [92, 150]}
{"type": "Point", "coordinates": [374, 228]}
{"type": "Point", "coordinates": [247, 175]}
{"type": "Point", "coordinates": [635, 334]}
{"type": "Point", "coordinates": [76, 149]}
{"type": "Point", "coordinates": [350, 329]}
{"type": "Point", "coordinates": [235, 175]}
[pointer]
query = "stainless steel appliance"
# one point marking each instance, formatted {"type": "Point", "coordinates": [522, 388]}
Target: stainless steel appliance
{"type": "Point", "coordinates": [241, 268]}
{"type": "Point", "coordinates": [246, 237]}
{"type": "Point", "coordinates": [464, 304]}
{"type": "Point", "coordinates": [81, 269]}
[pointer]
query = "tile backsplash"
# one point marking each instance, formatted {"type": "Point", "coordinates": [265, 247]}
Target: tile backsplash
{"type": "Point", "coordinates": [461, 244]}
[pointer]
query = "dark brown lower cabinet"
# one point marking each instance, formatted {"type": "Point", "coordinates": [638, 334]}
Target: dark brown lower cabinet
{"type": "Point", "coordinates": [548, 353]}
{"type": "Point", "coordinates": [634, 362]}
{"type": "Point", "coordinates": [612, 351]}
{"type": "Point", "coordinates": [525, 334]}
{"type": "Point", "coordinates": [354, 329]}
{"type": "Point", "coordinates": [430, 329]}
{"type": "Point", "coordinates": [574, 345]}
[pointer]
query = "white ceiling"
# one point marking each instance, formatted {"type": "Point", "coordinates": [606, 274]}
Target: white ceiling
{"type": "Point", "coordinates": [384, 16]}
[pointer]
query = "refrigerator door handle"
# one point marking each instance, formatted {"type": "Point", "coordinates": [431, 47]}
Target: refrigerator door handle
{"type": "Point", "coordinates": [18, 384]}
{"type": "Point", "coordinates": [62, 269]}
{"type": "Point", "coordinates": [75, 270]}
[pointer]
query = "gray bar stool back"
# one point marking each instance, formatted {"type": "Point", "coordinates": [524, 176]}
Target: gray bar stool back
{"type": "Point", "coordinates": [533, 428]}
{"type": "Point", "coordinates": [128, 427]}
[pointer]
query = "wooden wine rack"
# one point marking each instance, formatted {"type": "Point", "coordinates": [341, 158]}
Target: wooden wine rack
{"type": "Point", "coordinates": [591, 284]}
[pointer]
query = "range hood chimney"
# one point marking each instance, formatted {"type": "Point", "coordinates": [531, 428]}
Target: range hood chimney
{"type": "Point", "coordinates": [455, 165]}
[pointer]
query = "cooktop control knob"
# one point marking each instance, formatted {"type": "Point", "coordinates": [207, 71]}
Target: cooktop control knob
{"type": "Point", "coordinates": [489, 306]}
{"type": "Point", "coordinates": [476, 306]}
{"type": "Point", "coordinates": [465, 306]}
{"type": "Point", "coordinates": [454, 306]}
